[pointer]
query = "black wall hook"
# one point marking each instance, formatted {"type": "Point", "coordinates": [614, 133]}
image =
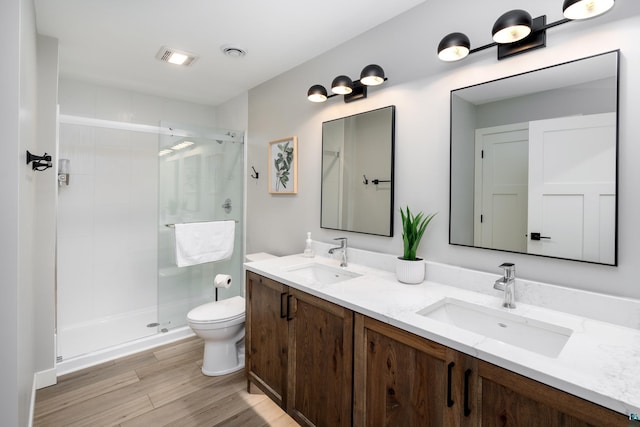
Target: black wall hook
{"type": "Point", "coordinates": [39, 163]}
{"type": "Point", "coordinates": [255, 173]}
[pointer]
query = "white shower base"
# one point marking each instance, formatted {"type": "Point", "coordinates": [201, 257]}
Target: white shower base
{"type": "Point", "coordinates": [83, 345]}
{"type": "Point", "coordinates": [105, 355]}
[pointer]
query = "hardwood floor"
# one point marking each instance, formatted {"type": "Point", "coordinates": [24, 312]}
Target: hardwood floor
{"type": "Point", "coordinates": [159, 387]}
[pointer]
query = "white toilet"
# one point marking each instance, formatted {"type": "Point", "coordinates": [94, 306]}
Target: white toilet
{"type": "Point", "coordinates": [221, 325]}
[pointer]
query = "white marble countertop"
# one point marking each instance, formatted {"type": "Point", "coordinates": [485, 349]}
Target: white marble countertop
{"type": "Point", "coordinates": [600, 362]}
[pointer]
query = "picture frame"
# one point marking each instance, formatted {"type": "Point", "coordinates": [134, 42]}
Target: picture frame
{"type": "Point", "coordinates": [283, 166]}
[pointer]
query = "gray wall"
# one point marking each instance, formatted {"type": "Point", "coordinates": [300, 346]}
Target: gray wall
{"type": "Point", "coordinates": [9, 173]}
{"type": "Point", "coordinates": [567, 101]}
{"type": "Point", "coordinates": [17, 120]}
{"type": "Point", "coordinates": [419, 86]}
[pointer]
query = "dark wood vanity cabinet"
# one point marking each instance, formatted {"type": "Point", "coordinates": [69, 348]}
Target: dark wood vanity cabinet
{"type": "Point", "coordinates": [266, 339]}
{"type": "Point", "coordinates": [401, 379]}
{"type": "Point", "coordinates": [320, 361]}
{"type": "Point", "coordinates": [299, 352]}
{"type": "Point", "coordinates": [509, 399]}
{"type": "Point", "coordinates": [326, 366]}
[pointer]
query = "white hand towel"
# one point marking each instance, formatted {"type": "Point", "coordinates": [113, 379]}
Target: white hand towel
{"type": "Point", "coordinates": [201, 242]}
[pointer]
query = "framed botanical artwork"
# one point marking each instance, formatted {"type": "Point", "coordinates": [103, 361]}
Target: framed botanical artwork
{"type": "Point", "coordinates": [283, 166]}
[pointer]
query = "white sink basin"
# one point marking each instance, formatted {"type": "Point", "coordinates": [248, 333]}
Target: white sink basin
{"type": "Point", "coordinates": [533, 335]}
{"type": "Point", "coordinates": [321, 274]}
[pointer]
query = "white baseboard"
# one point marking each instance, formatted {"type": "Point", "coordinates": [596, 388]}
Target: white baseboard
{"type": "Point", "coordinates": [32, 404]}
{"type": "Point", "coordinates": [46, 378]}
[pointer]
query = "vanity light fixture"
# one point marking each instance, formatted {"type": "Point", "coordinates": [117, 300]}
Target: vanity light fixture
{"type": "Point", "coordinates": [516, 32]}
{"type": "Point", "coordinates": [371, 75]}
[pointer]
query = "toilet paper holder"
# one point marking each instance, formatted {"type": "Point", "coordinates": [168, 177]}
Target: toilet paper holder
{"type": "Point", "coordinates": [221, 281]}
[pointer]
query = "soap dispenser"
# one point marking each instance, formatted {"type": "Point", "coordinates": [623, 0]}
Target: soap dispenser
{"type": "Point", "coordinates": [308, 252]}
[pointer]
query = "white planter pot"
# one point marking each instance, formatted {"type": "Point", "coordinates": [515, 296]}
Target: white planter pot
{"type": "Point", "coordinates": [410, 272]}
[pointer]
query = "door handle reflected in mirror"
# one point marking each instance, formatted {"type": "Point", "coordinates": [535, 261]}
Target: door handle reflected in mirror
{"type": "Point", "coordinates": [537, 236]}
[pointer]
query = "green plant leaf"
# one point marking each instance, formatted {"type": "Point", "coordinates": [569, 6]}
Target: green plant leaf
{"type": "Point", "coordinates": [413, 229]}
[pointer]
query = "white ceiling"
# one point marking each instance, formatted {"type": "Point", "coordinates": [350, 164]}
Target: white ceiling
{"type": "Point", "coordinates": [114, 42]}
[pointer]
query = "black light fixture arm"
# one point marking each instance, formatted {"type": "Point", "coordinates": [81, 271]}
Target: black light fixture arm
{"type": "Point", "coordinates": [555, 24]}
{"type": "Point", "coordinates": [486, 46]}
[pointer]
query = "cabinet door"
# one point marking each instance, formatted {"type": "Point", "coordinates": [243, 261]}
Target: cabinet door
{"type": "Point", "coordinates": [404, 380]}
{"type": "Point", "coordinates": [320, 361]}
{"type": "Point", "coordinates": [266, 336]}
{"type": "Point", "coordinates": [509, 399]}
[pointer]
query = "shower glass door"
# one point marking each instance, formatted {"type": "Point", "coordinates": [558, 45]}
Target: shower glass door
{"type": "Point", "coordinates": [200, 179]}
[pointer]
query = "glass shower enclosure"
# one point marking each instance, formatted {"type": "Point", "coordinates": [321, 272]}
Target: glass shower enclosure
{"type": "Point", "coordinates": [117, 281]}
{"type": "Point", "coordinates": [200, 180]}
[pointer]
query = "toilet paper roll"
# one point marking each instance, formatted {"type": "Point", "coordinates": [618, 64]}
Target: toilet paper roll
{"type": "Point", "coordinates": [222, 281]}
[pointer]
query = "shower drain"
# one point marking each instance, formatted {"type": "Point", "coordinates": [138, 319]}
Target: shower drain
{"type": "Point", "coordinates": [156, 324]}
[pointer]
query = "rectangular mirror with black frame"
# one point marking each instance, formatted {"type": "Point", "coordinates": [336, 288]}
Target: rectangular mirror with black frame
{"type": "Point", "coordinates": [357, 172]}
{"type": "Point", "coordinates": [534, 162]}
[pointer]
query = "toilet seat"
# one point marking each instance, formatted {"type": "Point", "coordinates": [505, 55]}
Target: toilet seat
{"type": "Point", "coordinates": [226, 310]}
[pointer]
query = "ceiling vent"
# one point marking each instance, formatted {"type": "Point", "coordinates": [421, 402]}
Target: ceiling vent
{"type": "Point", "coordinates": [175, 56]}
{"type": "Point", "coordinates": [233, 51]}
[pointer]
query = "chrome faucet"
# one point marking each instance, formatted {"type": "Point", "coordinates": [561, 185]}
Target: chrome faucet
{"type": "Point", "coordinates": [343, 248]}
{"type": "Point", "coordinates": [507, 284]}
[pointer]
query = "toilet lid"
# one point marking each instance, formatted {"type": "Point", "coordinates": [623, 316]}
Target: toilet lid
{"type": "Point", "coordinates": [218, 311]}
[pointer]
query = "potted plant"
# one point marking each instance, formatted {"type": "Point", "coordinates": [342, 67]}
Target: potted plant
{"type": "Point", "coordinates": [409, 268]}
